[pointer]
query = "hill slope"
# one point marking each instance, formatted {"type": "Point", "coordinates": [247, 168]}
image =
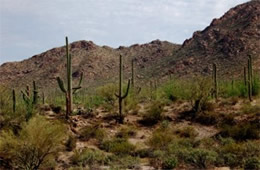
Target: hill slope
{"type": "Point", "coordinates": [227, 41]}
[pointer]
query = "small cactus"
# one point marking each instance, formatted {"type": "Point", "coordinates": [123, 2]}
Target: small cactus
{"type": "Point", "coordinates": [70, 90]}
{"type": "Point", "coordinates": [30, 101]}
{"type": "Point", "coordinates": [121, 96]}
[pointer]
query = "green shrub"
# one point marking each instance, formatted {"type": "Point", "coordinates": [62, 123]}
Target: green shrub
{"type": "Point", "coordinates": [126, 132]}
{"type": "Point", "coordinates": [200, 93]}
{"type": "Point", "coordinates": [107, 93]}
{"type": "Point", "coordinates": [125, 162]}
{"type": "Point", "coordinates": [94, 131]}
{"type": "Point", "coordinates": [169, 162]}
{"type": "Point", "coordinates": [187, 132]}
{"type": "Point", "coordinates": [252, 163]}
{"type": "Point", "coordinates": [160, 139]}
{"type": "Point", "coordinates": [242, 131]}
{"type": "Point", "coordinates": [37, 143]}
{"type": "Point", "coordinates": [118, 146]}
{"type": "Point", "coordinates": [153, 115]}
{"type": "Point", "coordinates": [201, 158]}
{"type": "Point", "coordinates": [235, 154]}
{"type": "Point", "coordinates": [89, 157]}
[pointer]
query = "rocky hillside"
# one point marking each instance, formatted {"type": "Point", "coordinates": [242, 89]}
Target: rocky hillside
{"type": "Point", "coordinates": [227, 41]}
{"type": "Point", "coordinates": [99, 64]}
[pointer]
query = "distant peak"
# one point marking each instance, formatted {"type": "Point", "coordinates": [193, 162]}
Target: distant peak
{"type": "Point", "coordinates": [83, 44]}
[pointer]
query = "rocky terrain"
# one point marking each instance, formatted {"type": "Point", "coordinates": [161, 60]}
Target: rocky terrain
{"type": "Point", "coordinates": [227, 41]}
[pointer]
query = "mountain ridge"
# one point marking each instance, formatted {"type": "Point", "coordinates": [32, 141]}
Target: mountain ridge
{"type": "Point", "coordinates": [227, 41]}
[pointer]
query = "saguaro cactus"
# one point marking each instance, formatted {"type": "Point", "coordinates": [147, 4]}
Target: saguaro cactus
{"type": "Point", "coordinates": [133, 75]}
{"type": "Point", "coordinates": [121, 96]}
{"type": "Point", "coordinates": [250, 75]}
{"type": "Point", "coordinates": [14, 101]}
{"type": "Point", "coordinates": [215, 81]}
{"type": "Point", "coordinates": [245, 81]}
{"type": "Point", "coordinates": [30, 100]}
{"type": "Point", "coordinates": [70, 91]}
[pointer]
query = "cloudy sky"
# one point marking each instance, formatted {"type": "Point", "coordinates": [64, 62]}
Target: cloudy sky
{"type": "Point", "coordinates": [29, 27]}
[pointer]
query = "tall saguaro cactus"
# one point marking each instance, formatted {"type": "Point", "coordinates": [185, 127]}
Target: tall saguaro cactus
{"type": "Point", "coordinates": [215, 81]}
{"type": "Point", "coordinates": [70, 90]}
{"type": "Point", "coordinates": [14, 101]}
{"type": "Point", "coordinates": [245, 78]}
{"type": "Point", "coordinates": [120, 95]}
{"type": "Point", "coordinates": [133, 75]}
{"type": "Point", "coordinates": [30, 100]}
{"type": "Point", "coordinates": [250, 78]}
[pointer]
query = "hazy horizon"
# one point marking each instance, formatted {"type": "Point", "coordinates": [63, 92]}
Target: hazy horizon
{"type": "Point", "coordinates": [28, 28]}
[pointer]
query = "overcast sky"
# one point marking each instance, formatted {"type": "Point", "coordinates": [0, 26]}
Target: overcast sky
{"type": "Point", "coordinates": [29, 27]}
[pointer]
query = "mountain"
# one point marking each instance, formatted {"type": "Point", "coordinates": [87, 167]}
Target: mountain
{"type": "Point", "coordinates": [227, 41]}
{"type": "Point", "coordinates": [99, 64]}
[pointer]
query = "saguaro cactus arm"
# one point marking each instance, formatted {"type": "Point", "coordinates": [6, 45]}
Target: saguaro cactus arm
{"type": "Point", "coordinates": [61, 85]}
{"type": "Point", "coordinates": [127, 90]}
{"type": "Point", "coordinates": [75, 89]}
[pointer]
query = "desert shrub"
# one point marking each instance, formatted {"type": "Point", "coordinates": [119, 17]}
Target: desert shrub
{"type": "Point", "coordinates": [242, 131]}
{"type": "Point", "coordinates": [256, 86]}
{"type": "Point", "coordinates": [124, 162]}
{"type": "Point", "coordinates": [199, 94]}
{"type": "Point", "coordinates": [94, 131]}
{"type": "Point", "coordinates": [107, 93]}
{"type": "Point", "coordinates": [160, 139]}
{"type": "Point", "coordinates": [249, 109]}
{"type": "Point", "coordinates": [89, 157]}
{"type": "Point", "coordinates": [206, 118]}
{"type": "Point", "coordinates": [234, 154]}
{"type": "Point", "coordinates": [126, 132]}
{"type": "Point", "coordinates": [252, 163]}
{"type": "Point", "coordinates": [201, 158]}
{"type": "Point", "coordinates": [187, 132]}
{"type": "Point", "coordinates": [118, 146]}
{"type": "Point", "coordinates": [153, 115]}
{"type": "Point", "coordinates": [71, 143]}
{"type": "Point", "coordinates": [35, 146]}
{"type": "Point", "coordinates": [144, 153]}
{"type": "Point", "coordinates": [170, 162]}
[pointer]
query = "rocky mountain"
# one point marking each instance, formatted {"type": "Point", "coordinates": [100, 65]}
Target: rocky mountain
{"type": "Point", "coordinates": [227, 41]}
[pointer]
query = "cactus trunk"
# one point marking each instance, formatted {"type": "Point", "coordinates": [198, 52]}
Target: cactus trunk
{"type": "Point", "coordinates": [249, 82]}
{"type": "Point", "coordinates": [69, 81]}
{"type": "Point", "coordinates": [70, 90]}
{"type": "Point", "coordinates": [215, 81]}
{"type": "Point", "coordinates": [133, 75]}
{"type": "Point", "coordinates": [119, 96]}
{"type": "Point", "coordinates": [245, 81]}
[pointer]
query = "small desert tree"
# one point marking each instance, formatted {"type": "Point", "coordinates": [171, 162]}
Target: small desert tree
{"type": "Point", "coordinates": [35, 146]}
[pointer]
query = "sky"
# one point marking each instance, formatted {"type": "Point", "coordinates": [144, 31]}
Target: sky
{"type": "Point", "coordinates": [29, 27]}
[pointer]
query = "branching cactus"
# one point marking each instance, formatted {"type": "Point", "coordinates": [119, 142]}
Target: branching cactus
{"type": "Point", "coordinates": [215, 82]}
{"type": "Point", "coordinates": [30, 100]}
{"type": "Point", "coordinates": [14, 101]}
{"type": "Point", "coordinates": [70, 90]}
{"type": "Point", "coordinates": [121, 96]}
